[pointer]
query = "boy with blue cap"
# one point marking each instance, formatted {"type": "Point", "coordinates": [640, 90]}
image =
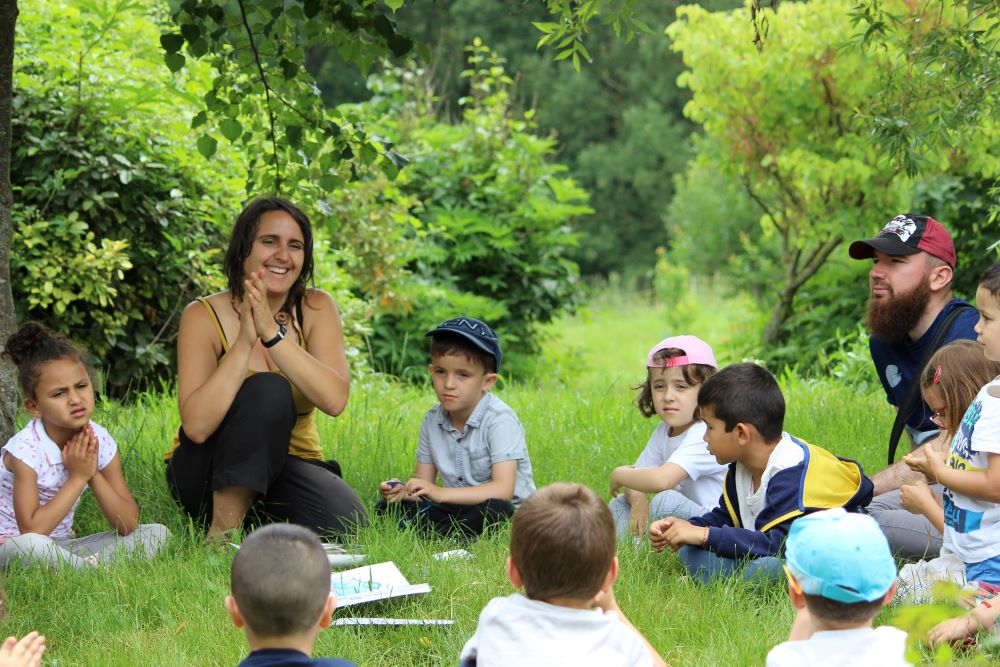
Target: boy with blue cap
{"type": "Point", "coordinates": [471, 439]}
{"type": "Point", "coordinates": [840, 573]}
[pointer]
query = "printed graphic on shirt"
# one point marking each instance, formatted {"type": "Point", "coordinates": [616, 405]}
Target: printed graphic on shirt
{"type": "Point", "coordinates": [960, 457]}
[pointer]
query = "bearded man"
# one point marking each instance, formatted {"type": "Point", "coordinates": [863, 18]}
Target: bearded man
{"type": "Point", "coordinates": [913, 263]}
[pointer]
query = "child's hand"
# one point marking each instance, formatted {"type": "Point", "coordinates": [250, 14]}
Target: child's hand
{"type": "Point", "coordinates": [24, 653]}
{"type": "Point", "coordinates": [616, 485]}
{"type": "Point", "coordinates": [421, 488]}
{"type": "Point", "coordinates": [953, 630]}
{"type": "Point", "coordinates": [80, 454]}
{"type": "Point", "coordinates": [927, 466]}
{"type": "Point", "coordinates": [680, 532]}
{"type": "Point", "coordinates": [638, 518]}
{"type": "Point", "coordinates": [917, 498]}
{"type": "Point", "coordinates": [657, 533]}
{"type": "Point", "coordinates": [392, 490]}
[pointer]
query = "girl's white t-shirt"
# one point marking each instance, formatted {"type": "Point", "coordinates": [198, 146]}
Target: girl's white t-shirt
{"type": "Point", "coordinates": [688, 450]}
{"type": "Point", "coordinates": [972, 525]}
{"type": "Point", "coordinates": [33, 447]}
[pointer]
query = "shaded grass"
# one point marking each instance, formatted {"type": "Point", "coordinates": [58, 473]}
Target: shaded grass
{"type": "Point", "coordinates": [581, 423]}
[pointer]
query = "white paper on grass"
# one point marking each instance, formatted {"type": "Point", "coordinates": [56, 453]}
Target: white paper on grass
{"type": "Point", "coordinates": [340, 622]}
{"type": "Point", "coordinates": [372, 582]}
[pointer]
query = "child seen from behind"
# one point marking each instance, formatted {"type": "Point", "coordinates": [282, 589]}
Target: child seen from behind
{"type": "Point", "coordinates": [562, 552]}
{"type": "Point", "coordinates": [281, 597]}
{"type": "Point", "coordinates": [471, 439]}
{"type": "Point", "coordinates": [772, 479]}
{"type": "Point", "coordinates": [675, 465]}
{"type": "Point", "coordinates": [57, 456]}
{"type": "Point", "coordinates": [840, 574]}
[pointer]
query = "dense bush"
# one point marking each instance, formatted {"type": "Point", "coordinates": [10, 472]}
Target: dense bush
{"type": "Point", "coordinates": [118, 223]}
{"type": "Point", "coordinates": [492, 219]}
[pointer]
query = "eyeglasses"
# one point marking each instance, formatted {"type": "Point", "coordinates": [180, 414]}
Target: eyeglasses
{"type": "Point", "coordinates": [938, 417]}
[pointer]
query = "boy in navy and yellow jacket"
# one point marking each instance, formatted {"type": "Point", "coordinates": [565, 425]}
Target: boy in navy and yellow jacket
{"type": "Point", "coordinates": [773, 478]}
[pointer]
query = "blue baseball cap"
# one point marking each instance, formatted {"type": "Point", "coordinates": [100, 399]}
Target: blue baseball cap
{"type": "Point", "coordinates": [841, 556]}
{"type": "Point", "coordinates": [476, 332]}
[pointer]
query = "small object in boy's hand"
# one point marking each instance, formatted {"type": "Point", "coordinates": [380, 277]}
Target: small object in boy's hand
{"type": "Point", "coordinates": [394, 482]}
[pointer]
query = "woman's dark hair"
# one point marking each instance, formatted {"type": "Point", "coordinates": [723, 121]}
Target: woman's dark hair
{"type": "Point", "coordinates": [33, 346]}
{"type": "Point", "coordinates": [241, 242]}
{"type": "Point", "coordinates": [694, 375]}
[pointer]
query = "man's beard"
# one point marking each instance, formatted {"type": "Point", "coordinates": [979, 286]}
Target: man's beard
{"type": "Point", "coordinates": [893, 317]}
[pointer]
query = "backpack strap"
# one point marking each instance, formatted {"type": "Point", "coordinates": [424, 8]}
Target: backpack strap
{"type": "Point", "coordinates": [913, 395]}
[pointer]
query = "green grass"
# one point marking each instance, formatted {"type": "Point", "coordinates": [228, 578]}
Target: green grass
{"type": "Point", "coordinates": [580, 422]}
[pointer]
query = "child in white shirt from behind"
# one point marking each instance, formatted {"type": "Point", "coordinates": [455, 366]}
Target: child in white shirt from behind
{"type": "Point", "coordinates": [562, 552]}
{"type": "Point", "coordinates": [840, 573]}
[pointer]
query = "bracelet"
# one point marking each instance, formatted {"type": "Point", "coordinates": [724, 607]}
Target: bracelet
{"type": "Point", "coordinates": [704, 540]}
{"type": "Point", "coordinates": [277, 338]}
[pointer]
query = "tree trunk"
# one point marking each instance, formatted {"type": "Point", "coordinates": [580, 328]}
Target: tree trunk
{"type": "Point", "coordinates": [8, 384]}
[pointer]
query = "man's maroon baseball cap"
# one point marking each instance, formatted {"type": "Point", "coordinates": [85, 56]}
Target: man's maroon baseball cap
{"type": "Point", "coordinates": [908, 234]}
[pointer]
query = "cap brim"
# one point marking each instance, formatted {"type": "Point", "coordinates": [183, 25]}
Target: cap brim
{"type": "Point", "coordinates": [469, 337]}
{"type": "Point", "coordinates": [890, 245]}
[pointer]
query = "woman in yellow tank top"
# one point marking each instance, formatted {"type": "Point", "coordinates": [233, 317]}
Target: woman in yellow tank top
{"type": "Point", "coordinates": [253, 364]}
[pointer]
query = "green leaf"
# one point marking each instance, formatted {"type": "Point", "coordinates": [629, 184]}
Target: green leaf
{"type": "Point", "coordinates": [394, 5]}
{"type": "Point", "coordinates": [368, 153]}
{"type": "Point", "coordinates": [171, 42]}
{"type": "Point", "coordinates": [198, 47]}
{"type": "Point", "coordinates": [288, 69]}
{"type": "Point", "coordinates": [400, 45]}
{"type": "Point", "coordinates": [191, 32]}
{"type": "Point", "coordinates": [175, 61]}
{"type": "Point", "coordinates": [383, 26]}
{"type": "Point", "coordinates": [329, 182]}
{"type": "Point", "coordinates": [545, 27]}
{"type": "Point", "coordinates": [231, 129]}
{"type": "Point", "coordinates": [293, 134]}
{"type": "Point", "coordinates": [199, 119]}
{"type": "Point", "coordinates": [207, 145]}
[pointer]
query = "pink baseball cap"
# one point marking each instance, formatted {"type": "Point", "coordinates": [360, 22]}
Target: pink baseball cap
{"type": "Point", "coordinates": [696, 351]}
{"type": "Point", "coordinates": [908, 234]}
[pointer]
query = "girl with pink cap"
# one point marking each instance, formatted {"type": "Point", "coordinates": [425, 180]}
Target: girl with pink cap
{"type": "Point", "coordinates": [675, 465]}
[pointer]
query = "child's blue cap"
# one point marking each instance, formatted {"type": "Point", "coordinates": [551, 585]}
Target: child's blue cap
{"type": "Point", "coordinates": [476, 332]}
{"type": "Point", "coordinates": [841, 556]}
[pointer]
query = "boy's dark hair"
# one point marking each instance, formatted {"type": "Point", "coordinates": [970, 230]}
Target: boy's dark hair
{"type": "Point", "coordinates": [281, 580]}
{"type": "Point", "coordinates": [241, 243]}
{"type": "Point", "coordinates": [842, 612]}
{"type": "Point", "coordinates": [34, 345]}
{"type": "Point", "coordinates": [694, 374]}
{"type": "Point", "coordinates": [991, 280]}
{"type": "Point", "coordinates": [562, 542]}
{"type": "Point", "coordinates": [745, 393]}
{"type": "Point", "coordinates": [443, 343]}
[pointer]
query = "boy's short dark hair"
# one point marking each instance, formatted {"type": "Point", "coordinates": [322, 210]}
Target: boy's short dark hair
{"type": "Point", "coordinates": [443, 343]}
{"type": "Point", "coordinates": [280, 579]}
{"type": "Point", "coordinates": [842, 612]}
{"type": "Point", "coordinates": [745, 393]}
{"type": "Point", "coordinates": [991, 280]}
{"type": "Point", "coordinates": [562, 542]}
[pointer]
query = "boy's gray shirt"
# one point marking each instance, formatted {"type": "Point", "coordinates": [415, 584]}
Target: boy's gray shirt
{"type": "Point", "coordinates": [493, 434]}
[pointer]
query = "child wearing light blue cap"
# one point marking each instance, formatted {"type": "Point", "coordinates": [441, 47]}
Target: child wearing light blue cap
{"type": "Point", "coordinates": [840, 573]}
